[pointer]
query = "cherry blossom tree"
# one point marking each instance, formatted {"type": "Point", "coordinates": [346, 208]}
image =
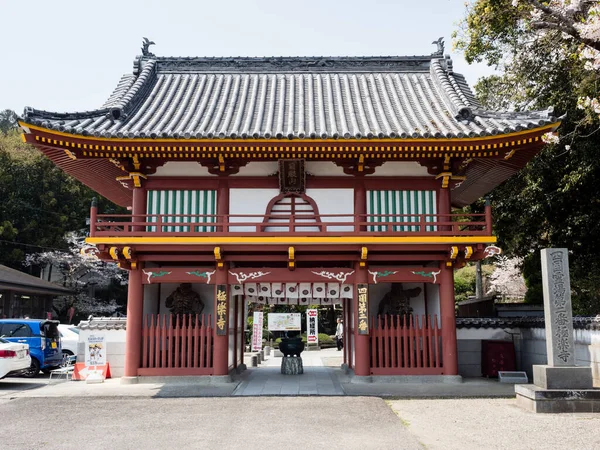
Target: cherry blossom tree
{"type": "Point", "coordinates": [507, 279]}
{"type": "Point", "coordinates": [81, 271]}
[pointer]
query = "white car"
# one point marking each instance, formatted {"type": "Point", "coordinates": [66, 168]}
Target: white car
{"type": "Point", "coordinates": [14, 358]}
{"type": "Point", "coordinates": [69, 338]}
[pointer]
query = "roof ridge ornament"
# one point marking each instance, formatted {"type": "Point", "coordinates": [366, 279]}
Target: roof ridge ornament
{"type": "Point", "coordinates": [440, 47]}
{"type": "Point", "coordinates": [146, 43]}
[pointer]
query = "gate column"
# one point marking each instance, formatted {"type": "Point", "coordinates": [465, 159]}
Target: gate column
{"type": "Point", "coordinates": [448, 319]}
{"type": "Point", "coordinates": [221, 341]}
{"type": "Point", "coordinates": [362, 363]}
{"type": "Point", "coordinates": [133, 332]}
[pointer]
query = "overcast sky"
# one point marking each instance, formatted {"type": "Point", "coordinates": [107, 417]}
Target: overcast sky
{"type": "Point", "coordinates": [67, 55]}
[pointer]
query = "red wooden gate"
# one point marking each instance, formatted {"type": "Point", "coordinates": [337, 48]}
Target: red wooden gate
{"type": "Point", "coordinates": [406, 345]}
{"type": "Point", "coordinates": [177, 345]}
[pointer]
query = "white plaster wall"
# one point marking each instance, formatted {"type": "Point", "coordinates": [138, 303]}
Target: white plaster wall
{"type": "Point", "coordinates": [530, 348]}
{"type": "Point", "coordinates": [401, 169]}
{"type": "Point", "coordinates": [335, 201]}
{"type": "Point", "coordinates": [181, 169]}
{"type": "Point", "coordinates": [433, 299]}
{"type": "Point", "coordinates": [324, 168]}
{"type": "Point", "coordinates": [258, 169]}
{"type": "Point", "coordinates": [587, 350]}
{"type": "Point", "coordinates": [249, 201]}
{"type": "Point", "coordinates": [151, 298]}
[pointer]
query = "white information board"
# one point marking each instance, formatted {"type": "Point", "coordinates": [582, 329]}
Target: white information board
{"type": "Point", "coordinates": [285, 321]}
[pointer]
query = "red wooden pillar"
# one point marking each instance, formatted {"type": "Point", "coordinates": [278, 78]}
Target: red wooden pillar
{"type": "Point", "coordinates": [221, 342]}
{"type": "Point", "coordinates": [133, 333]}
{"type": "Point", "coordinates": [448, 320]}
{"type": "Point", "coordinates": [444, 207]}
{"type": "Point", "coordinates": [360, 204]}
{"type": "Point", "coordinates": [362, 363]}
{"type": "Point", "coordinates": [138, 206]}
{"type": "Point", "coordinates": [93, 217]}
{"type": "Point", "coordinates": [223, 204]}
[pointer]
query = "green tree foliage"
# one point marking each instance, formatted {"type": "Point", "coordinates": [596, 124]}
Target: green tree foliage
{"type": "Point", "coordinates": [464, 281]}
{"type": "Point", "coordinates": [39, 202]}
{"type": "Point", "coordinates": [544, 56]}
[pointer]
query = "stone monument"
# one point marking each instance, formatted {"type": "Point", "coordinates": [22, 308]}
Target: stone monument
{"type": "Point", "coordinates": [560, 385]}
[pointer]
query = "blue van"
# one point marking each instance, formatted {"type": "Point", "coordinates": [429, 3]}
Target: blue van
{"type": "Point", "coordinates": [43, 338]}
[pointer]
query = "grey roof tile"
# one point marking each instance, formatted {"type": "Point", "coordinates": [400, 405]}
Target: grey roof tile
{"type": "Point", "coordinates": [290, 98]}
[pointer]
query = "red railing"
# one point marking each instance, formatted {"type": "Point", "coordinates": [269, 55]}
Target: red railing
{"type": "Point", "coordinates": [305, 224]}
{"type": "Point", "coordinates": [177, 345]}
{"type": "Point", "coordinates": [406, 345]}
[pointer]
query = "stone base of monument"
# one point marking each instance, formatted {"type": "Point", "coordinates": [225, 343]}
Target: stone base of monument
{"type": "Point", "coordinates": [559, 389]}
{"type": "Point", "coordinates": [540, 400]}
{"type": "Point", "coordinates": [292, 365]}
{"type": "Point", "coordinates": [563, 377]}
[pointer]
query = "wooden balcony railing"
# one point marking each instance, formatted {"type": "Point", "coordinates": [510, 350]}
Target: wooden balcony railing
{"type": "Point", "coordinates": [290, 224]}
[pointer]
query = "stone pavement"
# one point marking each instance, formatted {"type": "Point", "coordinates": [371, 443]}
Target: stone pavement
{"type": "Point", "coordinates": [322, 377]}
{"type": "Point", "coordinates": [201, 423]}
{"type": "Point", "coordinates": [268, 380]}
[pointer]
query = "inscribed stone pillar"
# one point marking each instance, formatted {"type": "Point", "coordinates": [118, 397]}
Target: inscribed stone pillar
{"type": "Point", "coordinates": [560, 372]}
{"type": "Point", "coordinates": [557, 307]}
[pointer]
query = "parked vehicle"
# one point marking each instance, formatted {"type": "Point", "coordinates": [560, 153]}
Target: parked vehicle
{"type": "Point", "coordinates": [43, 339]}
{"type": "Point", "coordinates": [69, 338]}
{"type": "Point", "coordinates": [14, 358]}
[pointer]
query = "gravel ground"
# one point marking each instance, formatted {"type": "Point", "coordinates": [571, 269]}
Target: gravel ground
{"type": "Point", "coordinates": [494, 424]}
{"type": "Point", "coordinates": [201, 423]}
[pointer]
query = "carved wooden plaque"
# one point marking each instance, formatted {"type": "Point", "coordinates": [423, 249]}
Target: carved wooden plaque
{"type": "Point", "coordinates": [292, 177]}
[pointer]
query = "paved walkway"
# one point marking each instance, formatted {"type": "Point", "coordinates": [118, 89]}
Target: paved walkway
{"type": "Point", "coordinates": [268, 380]}
{"type": "Point", "coordinates": [322, 377]}
{"type": "Point", "coordinates": [201, 423]}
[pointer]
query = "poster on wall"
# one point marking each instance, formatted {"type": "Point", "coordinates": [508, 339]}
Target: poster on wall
{"type": "Point", "coordinates": [363, 308]}
{"type": "Point", "coordinates": [312, 326]}
{"type": "Point", "coordinates": [285, 322]}
{"type": "Point", "coordinates": [95, 349]}
{"type": "Point", "coordinates": [257, 328]}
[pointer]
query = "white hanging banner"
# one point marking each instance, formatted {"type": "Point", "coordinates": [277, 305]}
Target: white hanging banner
{"type": "Point", "coordinates": [257, 330]}
{"type": "Point", "coordinates": [312, 326]}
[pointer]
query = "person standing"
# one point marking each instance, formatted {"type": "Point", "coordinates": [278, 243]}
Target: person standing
{"type": "Point", "coordinates": [339, 334]}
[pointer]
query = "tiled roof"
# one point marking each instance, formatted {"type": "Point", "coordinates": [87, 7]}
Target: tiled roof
{"type": "Point", "coordinates": [580, 323]}
{"type": "Point", "coordinates": [14, 280]}
{"type": "Point", "coordinates": [103, 323]}
{"type": "Point", "coordinates": [290, 98]}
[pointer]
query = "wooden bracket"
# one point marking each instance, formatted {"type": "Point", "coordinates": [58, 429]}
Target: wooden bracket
{"type": "Point", "coordinates": [133, 177]}
{"type": "Point", "coordinates": [291, 258]}
{"type": "Point", "coordinates": [447, 177]}
{"type": "Point", "coordinates": [114, 253]}
{"type": "Point", "coordinates": [453, 252]}
{"type": "Point", "coordinates": [218, 257]}
{"type": "Point", "coordinates": [128, 253]}
{"type": "Point", "coordinates": [364, 251]}
{"type": "Point", "coordinates": [468, 252]}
